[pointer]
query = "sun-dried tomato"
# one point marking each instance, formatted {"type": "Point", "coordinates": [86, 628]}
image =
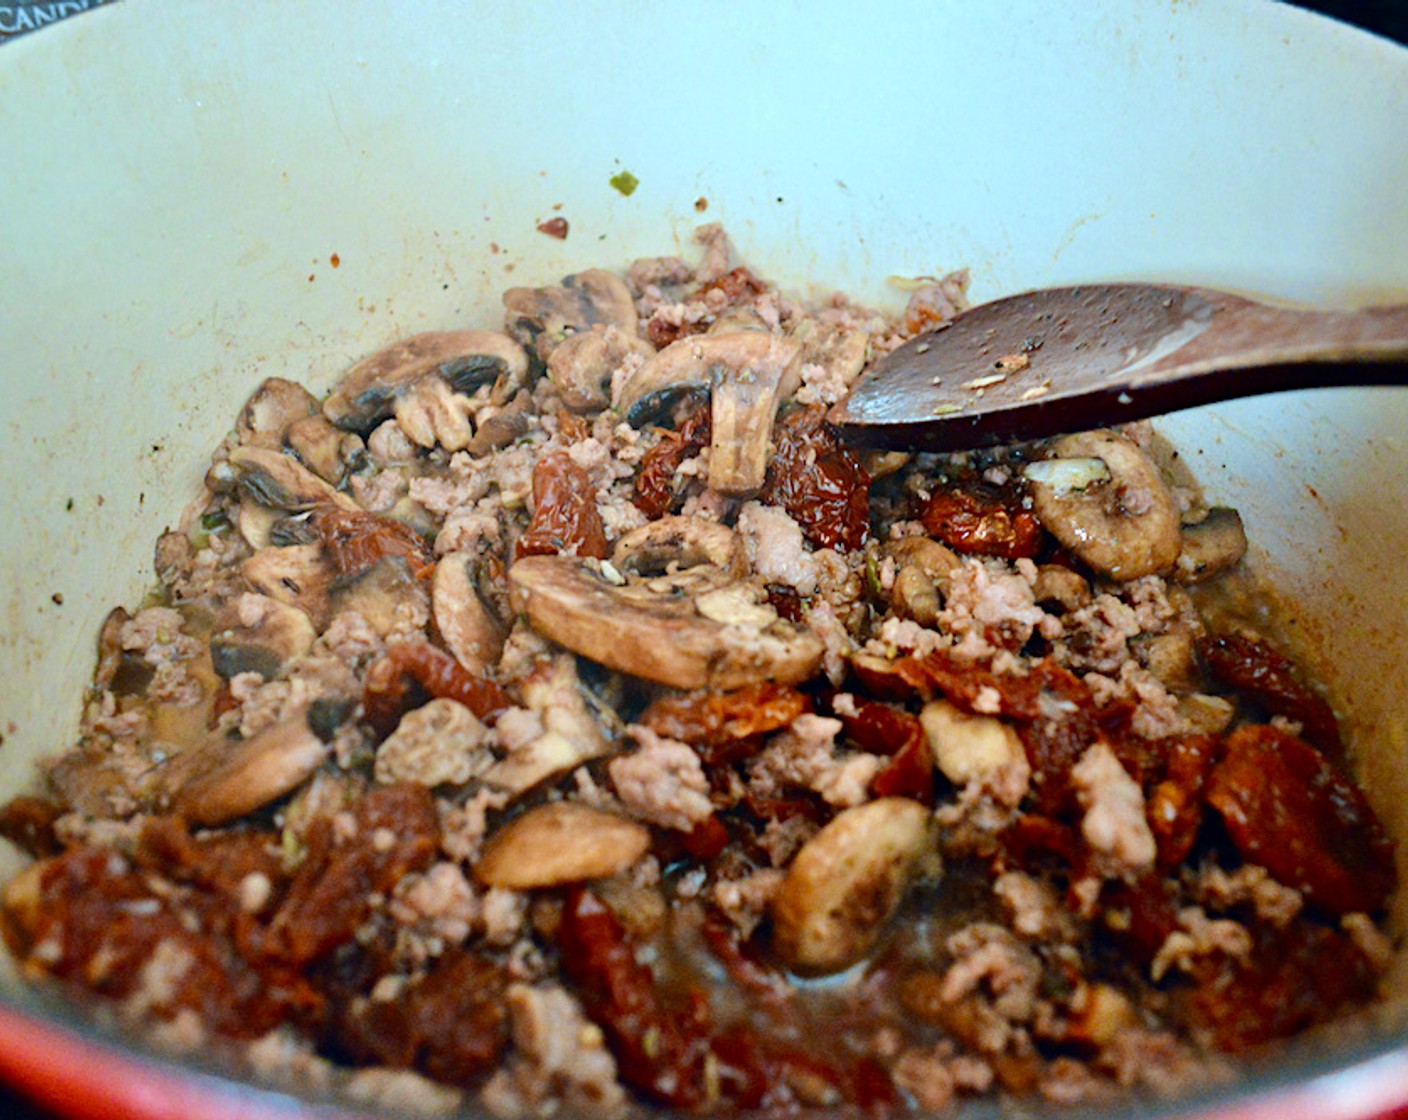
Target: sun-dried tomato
{"type": "Point", "coordinates": [565, 514]}
{"type": "Point", "coordinates": [787, 603]}
{"type": "Point", "coordinates": [1147, 912]}
{"type": "Point", "coordinates": [1294, 978]}
{"type": "Point", "coordinates": [451, 1025]}
{"type": "Point", "coordinates": [707, 839]}
{"type": "Point", "coordinates": [657, 480]}
{"type": "Point", "coordinates": [103, 921]}
{"type": "Point", "coordinates": [1263, 674]}
{"type": "Point", "coordinates": [671, 1052]}
{"type": "Point", "coordinates": [217, 861]}
{"type": "Point", "coordinates": [819, 482]}
{"type": "Point", "coordinates": [744, 962]}
{"type": "Point", "coordinates": [1175, 807]}
{"type": "Point", "coordinates": [661, 1051]}
{"type": "Point", "coordinates": [738, 286]}
{"type": "Point", "coordinates": [29, 823]}
{"type": "Point", "coordinates": [1033, 840]}
{"type": "Point", "coordinates": [1290, 810]}
{"type": "Point", "coordinates": [355, 541]}
{"type": "Point", "coordinates": [909, 770]}
{"type": "Point", "coordinates": [1052, 709]}
{"type": "Point", "coordinates": [726, 727]}
{"type": "Point", "coordinates": [969, 524]}
{"type": "Point", "coordinates": [390, 689]}
{"type": "Point", "coordinates": [571, 427]}
{"type": "Point", "coordinates": [397, 832]}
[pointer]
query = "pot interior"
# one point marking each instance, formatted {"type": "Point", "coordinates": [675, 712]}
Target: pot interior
{"type": "Point", "coordinates": [198, 200]}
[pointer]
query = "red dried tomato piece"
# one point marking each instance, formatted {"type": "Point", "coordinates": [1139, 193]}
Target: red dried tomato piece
{"type": "Point", "coordinates": [355, 541]}
{"type": "Point", "coordinates": [819, 482]}
{"type": "Point", "coordinates": [880, 729]}
{"type": "Point", "coordinates": [1294, 978]}
{"type": "Point", "coordinates": [1175, 808]}
{"type": "Point", "coordinates": [1288, 809]}
{"type": "Point", "coordinates": [787, 603]}
{"type": "Point", "coordinates": [387, 693]}
{"type": "Point", "coordinates": [739, 286]}
{"type": "Point", "coordinates": [1148, 913]}
{"type": "Point", "coordinates": [1264, 674]}
{"type": "Point", "coordinates": [657, 479]}
{"type": "Point", "coordinates": [102, 922]}
{"type": "Point", "coordinates": [1033, 839]}
{"type": "Point", "coordinates": [451, 1025]}
{"type": "Point", "coordinates": [967, 523]}
{"type": "Point", "coordinates": [565, 515]}
{"type": "Point", "coordinates": [661, 1051]}
{"type": "Point", "coordinates": [398, 831]}
{"type": "Point", "coordinates": [29, 823]}
{"type": "Point", "coordinates": [744, 963]}
{"type": "Point", "coordinates": [1052, 708]}
{"type": "Point", "coordinates": [706, 840]}
{"type": "Point", "coordinates": [725, 726]}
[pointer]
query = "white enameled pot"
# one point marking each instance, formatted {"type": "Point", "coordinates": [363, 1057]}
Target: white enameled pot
{"type": "Point", "coordinates": [194, 196]}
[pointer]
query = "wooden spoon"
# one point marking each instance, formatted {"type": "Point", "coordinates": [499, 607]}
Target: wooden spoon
{"type": "Point", "coordinates": [1070, 359]}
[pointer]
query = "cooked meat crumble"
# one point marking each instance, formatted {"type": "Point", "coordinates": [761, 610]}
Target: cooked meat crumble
{"type": "Point", "coordinates": [521, 726]}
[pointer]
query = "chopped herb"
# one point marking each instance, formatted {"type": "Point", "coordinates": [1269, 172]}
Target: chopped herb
{"type": "Point", "coordinates": [625, 182]}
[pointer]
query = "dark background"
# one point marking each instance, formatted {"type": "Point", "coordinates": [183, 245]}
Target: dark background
{"type": "Point", "coordinates": [1383, 17]}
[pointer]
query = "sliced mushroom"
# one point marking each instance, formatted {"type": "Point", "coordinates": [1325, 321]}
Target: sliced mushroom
{"type": "Point", "coordinates": [297, 574]}
{"type": "Point", "coordinates": [581, 366]}
{"type": "Point", "coordinates": [256, 523]}
{"type": "Point", "coordinates": [742, 318]}
{"type": "Point", "coordinates": [222, 779]}
{"type": "Point", "coordinates": [272, 409]}
{"type": "Point", "coordinates": [658, 632]}
{"type": "Point", "coordinates": [846, 882]}
{"type": "Point", "coordinates": [465, 360]}
{"type": "Point", "coordinates": [747, 373]}
{"type": "Point", "coordinates": [387, 596]}
{"type": "Point", "coordinates": [260, 635]}
{"type": "Point", "coordinates": [975, 748]}
{"type": "Point", "coordinates": [923, 567]}
{"type": "Point", "coordinates": [469, 629]}
{"type": "Point", "coordinates": [543, 318]}
{"type": "Point", "coordinates": [880, 464]}
{"type": "Point", "coordinates": [432, 414]}
{"type": "Point", "coordinates": [275, 479]}
{"type": "Point", "coordinates": [499, 425]}
{"type": "Point", "coordinates": [1216, 543]}
{"type": "Point", "coordinates": [322, 448]}
{"type": "Point", "coordinates": [1058, 584]}
{"type": "Point", "coordinates": [569, 736]}
{"type": "Point", "coordinates": [1206, 714]}
{"type": "Point", "coordinates": [1124, 525]}
{"type": "Point", "coordinates": [560, 843]}
{"type": "Point", "coordinates": [1171, 657]}
{"type": "Point", "coordinates": [673, 542]}
{"type": "Point", "coordinates": [440, 743]}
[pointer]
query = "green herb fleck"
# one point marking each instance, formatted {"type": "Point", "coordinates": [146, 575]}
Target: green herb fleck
{"type": "Point", "coordinates": [947, 409]}
{"type": "Point", "coordinates": [625, 182]}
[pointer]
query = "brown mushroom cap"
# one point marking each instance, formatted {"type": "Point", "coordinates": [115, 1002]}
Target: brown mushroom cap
{"type": "Point", "coordinates": [719, 638]}
{"type": "Point", "coordinates": [1124, 525]}
{"type": "Point", "coordinates": [271, 410]}
{"type": "Point", "coordinates": [748, 373]}
{"type": "Point", "coordinates": [368, 391]}
{"type": "Point", "coordinates": [683, 542]}
{"type": "Point", "coordinates": [543, 318]}
{"type": "Point", "coordinates": [581, 367]}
